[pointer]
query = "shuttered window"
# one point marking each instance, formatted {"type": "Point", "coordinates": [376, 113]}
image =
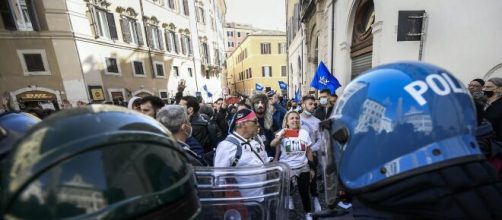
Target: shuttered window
{"type": "Point", "coordinates": [131, 31]}
{"type": "Point", "coordinates": [186, 11]}
{"type": "Point", "coordinates": [154, 36]}
{"type": "Point", "coordinates": [104, 24]}
{"type": "Point", "coordinates": [360, 64]}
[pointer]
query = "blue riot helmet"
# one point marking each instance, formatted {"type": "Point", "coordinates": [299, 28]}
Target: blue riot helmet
{"type": "Point", "coordinates": [13, 125]}
{"type": "Point", "coordinates": [398, 120]}
{"type": "Point", "coordinates": [98, 162]}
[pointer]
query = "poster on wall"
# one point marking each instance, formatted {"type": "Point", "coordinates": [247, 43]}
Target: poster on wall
{"type": "Point", "coordinates": [97, 93]}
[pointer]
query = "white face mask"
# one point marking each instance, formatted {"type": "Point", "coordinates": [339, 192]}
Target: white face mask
{"type": "Point", "coordinates": [323, 101]}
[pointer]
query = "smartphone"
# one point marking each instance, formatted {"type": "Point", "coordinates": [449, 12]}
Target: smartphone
{"type": "Point", "coordinates": [291, 133]}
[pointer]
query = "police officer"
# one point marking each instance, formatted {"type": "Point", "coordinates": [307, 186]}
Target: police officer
{"type": "Point", "coordinates": [98, 161]}
{"type": "Point", "coordinates": [403, 142]}
{"type": "Point", "coordinates": [13, 125]}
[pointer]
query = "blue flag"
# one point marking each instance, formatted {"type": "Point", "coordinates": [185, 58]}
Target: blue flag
{"type": "Point", "coordinates": [298, 95]}
{"type": "Point", "coordinates": [283, 85]}
{"type": "Point", "coordinates": [259, 87]}
{"type": "Point", "coordinates": [209, 94]}
{"type": "Point", "coordinates": [324, 80]}
{"type": "Point", "coordinates": [205, 88]}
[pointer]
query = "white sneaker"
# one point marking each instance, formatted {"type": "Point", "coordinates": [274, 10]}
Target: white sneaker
{"type": "Point", "coordinates": [317, 205]}
{"type": "Point", "coordinates": [308, 216]}
{"type": "Point", "coordinates": [291, 205]}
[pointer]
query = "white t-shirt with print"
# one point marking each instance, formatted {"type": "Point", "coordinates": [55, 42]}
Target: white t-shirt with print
{"type": "Point", "coordinates": [293, 149]}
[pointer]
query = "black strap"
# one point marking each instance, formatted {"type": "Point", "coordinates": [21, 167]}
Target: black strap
{"type": "Point", "coordinates": [238, 153]}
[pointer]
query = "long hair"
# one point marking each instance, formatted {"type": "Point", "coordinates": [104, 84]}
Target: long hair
{"type": "Point", "coordinates": [285, 120]}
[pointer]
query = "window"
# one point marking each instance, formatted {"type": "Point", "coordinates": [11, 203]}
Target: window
{"type": "Point", "coordinates": [186, 11]}
{"type": "Point", "coordinates": [216, 57]}
{"type": "Point", "coordinates": [34, 62]}
{"type": "Point", "coordinates": [238, 34]}
{"type": "Point", "coordinates": [154, 35]}
{"type": "Point", "coordinates": [104, 23]}
{"type": "Point", "coordinates": [190, 73]}
{"type": "Point", "coordinates": [159, 69]}
{"type": "Point", "coordinates": [281, 47]}
{"type": "Point", "coordinates": [169, 41]}
{"type": "Point", "coordinates": [283, 71]}
{"type": "Point", "coordinates": [228, 33]}
{"type": "Point", "coordinates": [163, 94]}
{"type": "Point", "coordinates": [174, 41]}
{"type": "Point", "coordinates": [266, 71]}
{"type": "Point", "coordinates": [250, 73]}
{"type": "Point", "coordinates": [112, 66]}
{"type": "Point", "coordinates": [188, 41]}
{"type": "Point", "coordinates": [19, 15]}
{"type": "Point", "coordinates": [176, 71]}
{"type": "Point", "coordinates": [171, 5]}
{"type": "Point", "coordinates": [205, 53]}
{"type": "Point", "coordinates": [131, 31]}
{"type": "Point", "coordinates": [138, 68]}
{"type": "Point", "coordinates": [265, 48]}
{"type": "Point", "coordinates": [199, 14]}
{"type": "Point", "coordinates": [231, 33]}
{"type": "Point", "coordinates": [229, 45]}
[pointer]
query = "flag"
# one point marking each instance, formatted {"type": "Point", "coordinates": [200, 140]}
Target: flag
{"type": "Point", "coordinates": [283, 85]}
{"type": "Point", "coordinates": [298, 95]}
{"type": "Point", "coordinates": [259, 87]}
{"type": "Point", "coordinates": [209, 94]}
{"type": "Point", "coordinates": [324, 80]}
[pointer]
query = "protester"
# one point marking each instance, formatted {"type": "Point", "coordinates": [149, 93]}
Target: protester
{"type": "Point", "coordinates": [311, 125]}
{"type": "Point", "coordinates": [150, 105]}
{"type": "Point", "coordinates": [325, 107]}
{"type": "Point", "coordinates": [199, 124]}
{"type": "Point", "coordinates": [175, 119]}
{"type": "Point", "coordinates": [293, 144]}
{"type": "Point", "coordinates": [476, 86]}
{"type": "Point", "coordinates": [134, 103]}
{"type": "Point", "coordinates": [240, 149]}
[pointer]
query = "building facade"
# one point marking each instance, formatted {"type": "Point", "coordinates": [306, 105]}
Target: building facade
{"type": "Point", "coordinates": [369, 33]}
{"type": "Point", "coordinates": [260, 58]}
{"type": "Point", "coordinates": [65, 51]}
{"type": "Point", "coordinates": [235, 34]}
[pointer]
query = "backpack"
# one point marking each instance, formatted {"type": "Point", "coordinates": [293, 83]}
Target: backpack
{"type": "Point", "coordinates": [209, 156]}
{"type": "Point", "coordinates": [215, 132]}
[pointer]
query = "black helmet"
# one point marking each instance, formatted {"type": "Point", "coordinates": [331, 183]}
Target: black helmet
{"type": "Point", "coordinates": [99, 161]}
{"type": "Point", "coordinates": [13, 125]}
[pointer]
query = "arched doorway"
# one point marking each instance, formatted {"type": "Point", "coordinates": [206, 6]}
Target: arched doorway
{"type": "Point", "coordinates": [142, 93]}
{"type": "Point", "coordinates": [361, 50]}
{"type": "Point", "coordinates": [35, 97]}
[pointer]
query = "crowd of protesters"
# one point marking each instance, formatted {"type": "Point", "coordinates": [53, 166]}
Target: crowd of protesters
{"type": "Point", "coordinates": [266, 128]}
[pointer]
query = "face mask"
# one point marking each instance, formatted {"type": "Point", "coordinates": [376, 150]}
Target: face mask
{"type": "Point", "coordinates": [307, 113]}
{"type": "Point", "coordinates": [189, 133]}
{"type": "Point", "coordinates": [323, 101]}
{"type": "Point", "coordinates": [488, 94]}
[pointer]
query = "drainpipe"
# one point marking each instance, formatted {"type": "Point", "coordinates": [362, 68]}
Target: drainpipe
{"type": "Point", "coordinates": [146, 39]}
{"type": "Point", "coordinates": [332, 34]}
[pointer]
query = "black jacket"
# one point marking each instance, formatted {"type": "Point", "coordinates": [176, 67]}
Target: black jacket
{"type": "Point", "coordinates": [321, 113]}
{"type": "Point", "coordinates": [494, 115]}
{"type": "Point", "coordinates": [200, 132]}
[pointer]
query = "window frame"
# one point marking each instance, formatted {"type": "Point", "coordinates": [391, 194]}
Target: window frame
{"type": "Point", "coordinates": [156, 74]}
{"type": "Point", "coordinates": [118, 67]}
{"type": "Point", "coordinates": [24, 65]}
{"type": "Point", "coordinates": [160, 94]}
{"type": "Point", "coordinates": [176, 71]}
{"type": "Point", "coordinates": [263, 72]}
{"type": "Point", "coordinates": [134, 68]}
{"type": "Point", "coordinates": [263, 49]}
{"type": "Point", "coordinates": [285, 68]}
{"type": "Point", "coordinates": [190, 72]}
